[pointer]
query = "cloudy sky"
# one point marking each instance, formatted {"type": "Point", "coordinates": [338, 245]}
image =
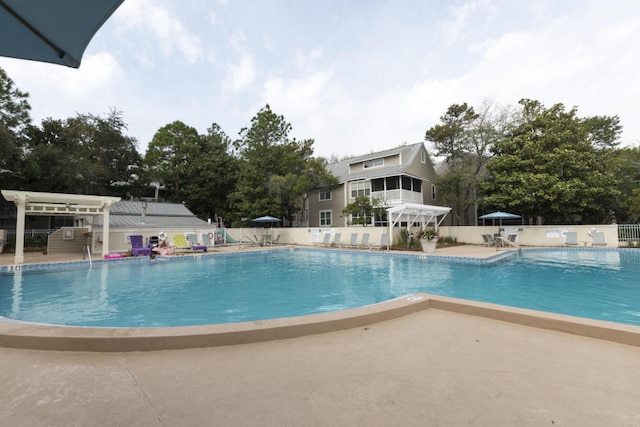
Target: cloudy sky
{"type": "Point", "coordinates": [354, 75]}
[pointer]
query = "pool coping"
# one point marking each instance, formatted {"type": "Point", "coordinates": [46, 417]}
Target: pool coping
{"type": "Point", "coordinates": [64, 338]}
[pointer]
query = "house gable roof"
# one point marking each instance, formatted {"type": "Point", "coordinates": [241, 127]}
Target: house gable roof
{"type": "Point", "coordinates": [407, 154]}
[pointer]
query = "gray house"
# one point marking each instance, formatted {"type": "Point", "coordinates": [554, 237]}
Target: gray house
{"type": "Point", "coordinates": [396, 177]}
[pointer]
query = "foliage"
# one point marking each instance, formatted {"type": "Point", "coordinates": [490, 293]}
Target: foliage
{"type": "Point", "coordinates": [428, 234]}
{"type": "Point", "coordinates": [627, 162]}
{"type": "Point", "coordinates": [464, 138]}
{"type": "Point", "coordinates": [85, 154]}
{"type": "Point", "coordinates": [449, 138]}
{"type": "Point", "coordinates": [14, 107]}
{"type": "Point", "coordinates": [447, 240]}
{"type": "Point", "coordinates": [14, 118]}
{"type": "Point", "coordinates": [276, 173]}
{"type": "Point", "coordinates": [548, 167]}
{"type": "Point", "coordinates": [362, 209]}
{"type": "Point", "coordinates": [404, 237]}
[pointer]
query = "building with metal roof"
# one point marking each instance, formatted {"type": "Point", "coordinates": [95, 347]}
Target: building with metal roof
{"type": "Point", "coordinates": [397, 176]}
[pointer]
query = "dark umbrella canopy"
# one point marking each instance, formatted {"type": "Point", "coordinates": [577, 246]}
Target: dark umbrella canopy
{"type": "Point", "coordinates": [55, 31]}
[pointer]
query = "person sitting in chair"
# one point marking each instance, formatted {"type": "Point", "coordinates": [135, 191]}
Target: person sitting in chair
{"type": "Point", "coordinates": [164, 249]}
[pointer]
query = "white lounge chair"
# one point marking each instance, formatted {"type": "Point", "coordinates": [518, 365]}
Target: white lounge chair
{"type": "Point", "coordinates": [326, 240]}
{"type": "Point", "coordinates": [353, 243]}
{"type": "Point", "coordinates": [598, 239]}
{"type": "Point", "coordinates": [572, 238]}
{"type": "Point", "coordinates": [384, 242]}
{"type": "Point", "coordinates": [365, 241]}
{"type": "Point", "coordinates": [336, 240]}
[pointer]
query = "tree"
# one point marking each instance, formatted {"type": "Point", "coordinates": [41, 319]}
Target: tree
{"type": "Point", "coordinates": [213, 173]}
{"type": "Point", "coordinates": [14, 118]}
{"type": "Point", "coordinates": [450, 138]}
{"type": "Point", "coordinates": [170, 156]}
{"type": "Point", "coordinates": [465, 138]}
{"type": "Point", "coordinates": [14, 107]}
{"type": "Point", "coordinates": [85, 154]}
{"type": "Point", "coordinates": [549, 167]}
{"type": "Point", "coordinates": [363, 209]}
{"type": "Point", "coordinates": [276, 173]}
{"type": "Point", "coordinates": [627, 162]}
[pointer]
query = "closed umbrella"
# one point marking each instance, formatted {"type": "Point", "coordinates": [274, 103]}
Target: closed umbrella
{"type": "Point", "coordinates": [54, 31]}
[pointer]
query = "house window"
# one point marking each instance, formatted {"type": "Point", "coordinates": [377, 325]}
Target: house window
{"type": "Point", "coordinates": [417, 185]}
{"type": "Point", "coordinates": [325, 195]}
{"type": "Point", "coordinates": [423, 156]}
{"type": "Point", "coordinates": [373, 163]}
{"type": "Point", "coordinates": [377, 184]}
{"type": "Point", "coordinates": [433, 191]}
{"type": "Point", "coordinates": [406, 183]}
{"type": "Point", "coordinates": [325, 218]}
{"type": "Point", "coordinates": [393, 182]}
{"type": "Point", "coordinates": [360, 188]}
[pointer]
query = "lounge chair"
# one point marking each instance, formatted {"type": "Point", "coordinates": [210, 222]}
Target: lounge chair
{"type": "Point", "coordinates": [489, 240]}
{"type": "Point", "coordinates": [572, 238]}
{"type": "Point", "coordinates": [336, 240]}
{"type": "Point", "coordinates": [326, 240]}
{"type": "Point", "coordinates": [384, 242]}
{"type": "Point", "coordinates": [206, 240]}
{"type": "Point", "coordinates": [180, 243]}
{"type": "Point", "coordinates": [598, 239]}
{"type": "Point", "coordinates": [353, 243]}
{"type": "Point", "coordinates": [276, 241]}
{"type": "Point", "coordinates": [365, 241]}
{"type": "Point", "coordinates": [137, 248]}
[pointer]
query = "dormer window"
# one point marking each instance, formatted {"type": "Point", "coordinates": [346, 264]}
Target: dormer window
{"type": "Point", "coordinates": [373, 163]}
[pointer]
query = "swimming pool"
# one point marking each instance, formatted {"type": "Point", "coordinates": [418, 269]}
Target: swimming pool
{"type": "Point", "coordinates": [597, 284]}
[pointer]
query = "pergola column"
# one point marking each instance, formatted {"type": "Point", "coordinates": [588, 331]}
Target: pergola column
{"type": "Point", "coordinates": [20, 202]}
{"type": "Point", "coordinates": [105, 229]}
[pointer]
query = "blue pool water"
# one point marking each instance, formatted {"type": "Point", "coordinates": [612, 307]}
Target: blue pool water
{"type": "Point", "coordinates": [597, 284]}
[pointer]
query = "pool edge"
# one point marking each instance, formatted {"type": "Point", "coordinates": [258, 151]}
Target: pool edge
{"type": "Point", "coordinates": [63, 338]}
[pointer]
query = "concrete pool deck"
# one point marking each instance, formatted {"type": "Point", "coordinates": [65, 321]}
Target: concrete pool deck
{"type": "Point", "coordinates": [430, 367]}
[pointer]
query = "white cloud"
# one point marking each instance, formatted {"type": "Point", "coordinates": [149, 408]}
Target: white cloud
{"type": "Point", "coordinates": [170, 34]}
{"type": "Point", "coordinates": [240, 76]}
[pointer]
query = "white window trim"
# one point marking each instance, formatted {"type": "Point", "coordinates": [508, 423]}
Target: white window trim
{"type": "Point", "coordinates": [324, 192]}
{"type": "Point", "coordinates": [373, 164]}
{"type": "Point", "coordinates": [330, 218]}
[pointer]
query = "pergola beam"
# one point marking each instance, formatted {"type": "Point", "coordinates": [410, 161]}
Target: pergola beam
{"type": "Point", "coordinates": [57, 204]}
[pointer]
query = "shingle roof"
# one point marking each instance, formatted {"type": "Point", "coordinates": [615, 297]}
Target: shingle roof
{"type": "Point", "coordinates": [341, 168]}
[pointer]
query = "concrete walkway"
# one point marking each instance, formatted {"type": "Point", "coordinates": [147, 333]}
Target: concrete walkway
{"type": "Point", "coordinates": [431, 368]}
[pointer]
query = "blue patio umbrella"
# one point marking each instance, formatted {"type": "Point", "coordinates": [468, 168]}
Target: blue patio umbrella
{"type": "Point", "coordinates": [500, 216]}
{"type": "Point", "coordinates": [266, 218]}
{"type": "Point", "coordinates": [54, 31]}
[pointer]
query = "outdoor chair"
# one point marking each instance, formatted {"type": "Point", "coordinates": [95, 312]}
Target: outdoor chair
{"type": "Point", "coordinates": [336, 240]}
{"type": "Point", "coordinates": [598, 239]}
{"type": "Point", "coordinates": [326, 239]}
{"type": "Point", "coordinates": [489, 240]}
{"type": "Point", "coordinates": [181, 244]}
{"type": "Point", "coordinates": [572, 238]}
{"type": "Point", "coordinates": [384, 242]}
{"type": "Point", "coordinates": [353, 243]}
{"type": "Point", "coordinates": [137, 248]}
{"type": "Point", "coordinates": [365, 240]}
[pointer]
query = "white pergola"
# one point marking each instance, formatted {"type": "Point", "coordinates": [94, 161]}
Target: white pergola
{"type": "Point", "coordinates": [58, 204]}
{"type": "Point", "coordinates": [416, 213]}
